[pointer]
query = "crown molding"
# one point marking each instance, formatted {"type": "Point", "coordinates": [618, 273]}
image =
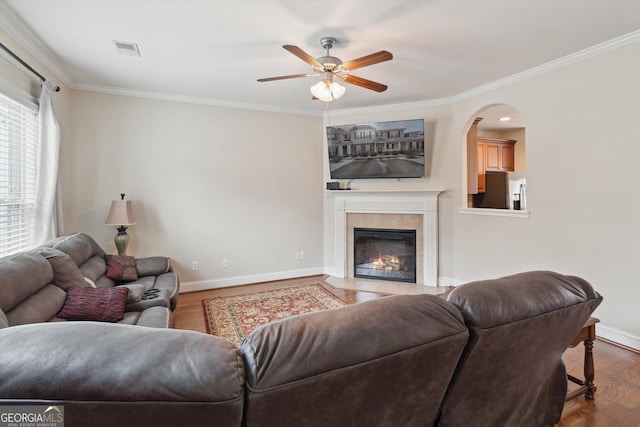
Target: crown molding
{"type": "Point", "coordinates": [165, 96]}
{"type": "Point", "coordinates": [581, 55]}
{"type": "Point", "coordinates": [390, 107]}
{"type": "Point", "coordinates": [22, 34]}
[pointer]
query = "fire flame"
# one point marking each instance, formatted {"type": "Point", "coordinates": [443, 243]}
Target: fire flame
{"type": "Point", "coordinates": [388, 262]}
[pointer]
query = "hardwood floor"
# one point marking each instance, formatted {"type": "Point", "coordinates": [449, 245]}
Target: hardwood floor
{"type": "Point", "coordinates": [617, 399]}
{"type": "Point", "coordinates": [617, 378]}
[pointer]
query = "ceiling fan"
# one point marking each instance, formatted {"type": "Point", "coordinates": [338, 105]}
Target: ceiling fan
{"type": "Point", "coordinates": [330, 67]}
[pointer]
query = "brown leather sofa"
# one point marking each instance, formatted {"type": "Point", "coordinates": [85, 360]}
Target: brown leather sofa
{"type": "Point", "coordinates": [489, 354]}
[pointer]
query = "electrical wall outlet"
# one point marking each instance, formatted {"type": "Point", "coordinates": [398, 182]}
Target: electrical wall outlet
{"type": "Point", "coordinates": [194, 265]}
{"type": "Point", "coordinates": [303, 255]}
{"type": "Point", "coordinates": [297, 255]}
{"type": "Point", "coordinates": [225, 262]}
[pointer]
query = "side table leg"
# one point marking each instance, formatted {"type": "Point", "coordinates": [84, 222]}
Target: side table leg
{"type": "Point", "coordinates": [589, 370]}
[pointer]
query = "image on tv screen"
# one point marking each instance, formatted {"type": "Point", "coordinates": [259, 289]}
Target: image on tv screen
{"type": "Point", "coordinates": [377, 150]}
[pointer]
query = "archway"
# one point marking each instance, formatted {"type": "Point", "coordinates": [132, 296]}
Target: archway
{"type": "Point", "coordinates": [496, 160]}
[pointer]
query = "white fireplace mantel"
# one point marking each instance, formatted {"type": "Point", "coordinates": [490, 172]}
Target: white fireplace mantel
{"type": "Point", "coordinates": [411, 202]}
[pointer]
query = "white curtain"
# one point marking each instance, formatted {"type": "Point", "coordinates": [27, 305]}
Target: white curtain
{"type": "Point", "coordinates": [47, 168]}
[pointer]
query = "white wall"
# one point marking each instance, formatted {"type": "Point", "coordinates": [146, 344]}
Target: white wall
{"type": "Point", "coordinates": [583, 170]}
{"type": "Point", "coordinates": [206, 183]}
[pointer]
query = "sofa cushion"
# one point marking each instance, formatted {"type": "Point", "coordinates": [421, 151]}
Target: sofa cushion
{"type": "Point", "coordinates": [80, 247]}
{"type": "Point", "coordinates": [121, 268]}
{"type": "Point", "coordinates": [130, 318]}
{"type": "Point", "coordinates": [101, 304]}
{"type": "Point", "coordinates": [94, 268]}
{"type": "Point", "coordinates": [136, 292]}
{"type": "Point", "coordinates": [22, 275]}
{"type": "Point", "coordinates": [156, 317]}
{"type": "Point", "coordinates": [65, 272]}
{"type": "Point", "coordinates": [153, 266]}
{"type": "Point", "coordinates": [41, 306]}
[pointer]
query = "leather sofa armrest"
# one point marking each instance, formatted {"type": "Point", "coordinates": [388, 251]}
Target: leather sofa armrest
{"type": "Point", "coordinates": [153, 266]}
{"type": "Point", "coordinates": [114, 362]}
{"type": "Point", "coordinates": [152, 298]}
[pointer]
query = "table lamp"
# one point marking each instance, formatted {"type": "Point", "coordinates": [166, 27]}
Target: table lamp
{"type": "Point", "coordinates": [120, 214]}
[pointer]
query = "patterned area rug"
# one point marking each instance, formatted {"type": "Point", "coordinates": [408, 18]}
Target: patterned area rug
{"type": "Point", "coordinates": [234, 317]}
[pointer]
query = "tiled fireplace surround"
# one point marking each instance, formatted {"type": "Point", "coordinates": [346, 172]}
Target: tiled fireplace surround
{"type": "Point", "coordinates": [391, 209]}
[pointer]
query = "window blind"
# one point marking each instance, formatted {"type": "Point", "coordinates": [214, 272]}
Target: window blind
{"type": "Point", "coordinates": [18, 155]}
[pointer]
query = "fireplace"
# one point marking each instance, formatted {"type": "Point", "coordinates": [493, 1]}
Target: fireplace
{"type": "Point", "coordinates": [385, 254]}
{"type": "Point", "coordinates": [386, 209]}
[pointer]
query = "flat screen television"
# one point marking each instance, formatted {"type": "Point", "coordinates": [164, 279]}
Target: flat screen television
{"type": "Point", "coordinates": [377, 150]}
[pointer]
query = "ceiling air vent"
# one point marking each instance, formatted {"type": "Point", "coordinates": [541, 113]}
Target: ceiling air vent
{"type": "Point", "coordinates": [126, 48]}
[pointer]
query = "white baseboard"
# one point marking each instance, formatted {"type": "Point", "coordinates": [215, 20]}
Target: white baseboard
{"type": "Point", "coordinates": [618, 336]}
{"type": "Point", "coordinates": [330, 271]}
{"type": "Point", "coordinates": [245, 280]}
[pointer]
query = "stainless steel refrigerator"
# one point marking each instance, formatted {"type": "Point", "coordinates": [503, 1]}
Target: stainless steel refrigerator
{"type": "Point", "coordinates": [501, 189]}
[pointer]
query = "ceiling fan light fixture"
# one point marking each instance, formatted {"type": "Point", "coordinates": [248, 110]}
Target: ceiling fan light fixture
{"type": "Point", "coordinates": [329, 67]}
{"type": "Point", "coordinates": [327, 90]}
{"type": "Point", "coordinates": [337, 90]}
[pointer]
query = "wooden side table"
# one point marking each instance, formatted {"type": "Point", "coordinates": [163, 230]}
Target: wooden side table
{"type": "Point", "coordinates": [586, 335]}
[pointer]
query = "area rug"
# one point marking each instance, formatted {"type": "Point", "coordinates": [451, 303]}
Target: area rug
{"type": "Point", "coordinates": [234, 317]}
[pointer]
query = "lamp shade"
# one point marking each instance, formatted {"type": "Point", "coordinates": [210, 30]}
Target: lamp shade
{"type": "Point", "coordinates": [327, 90]}
{"type": "Point", "coordinates": [120, 213]}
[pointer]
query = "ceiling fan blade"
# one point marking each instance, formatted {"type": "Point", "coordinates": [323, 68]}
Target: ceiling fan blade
{"type": "Point", "coordinates": [302, 55]}
{"type": "Point", "coordinates": [367, 84]}
{"type": "Point", "coordinates": [365, 61]}
{"type": "Point", "coordinates": [293, 76]}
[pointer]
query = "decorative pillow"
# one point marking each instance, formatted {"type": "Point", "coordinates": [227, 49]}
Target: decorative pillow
{"type": "Point", "coordinates": [100, 304]}
{"type": "Point", "coordinates": [65, 272]}
{"type": "Point", "coordinates": [121, 268]}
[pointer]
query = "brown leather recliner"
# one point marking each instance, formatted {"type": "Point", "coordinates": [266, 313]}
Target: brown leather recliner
{"type": "Point", "coordinates": [511, 372]}
{"type": "Point", "coordinates": [385, 362]}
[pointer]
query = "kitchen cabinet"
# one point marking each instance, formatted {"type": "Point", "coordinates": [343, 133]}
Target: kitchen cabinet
{"type": "Point", "coordinates": [493, 155]}
{"type": "Point", "coordinates": [498, 154]}
{"type": "Point", "coordinates": [482, 150]}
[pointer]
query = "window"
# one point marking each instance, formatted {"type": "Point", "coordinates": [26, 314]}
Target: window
{"type": "Point", "coordinates": [18, 154]}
